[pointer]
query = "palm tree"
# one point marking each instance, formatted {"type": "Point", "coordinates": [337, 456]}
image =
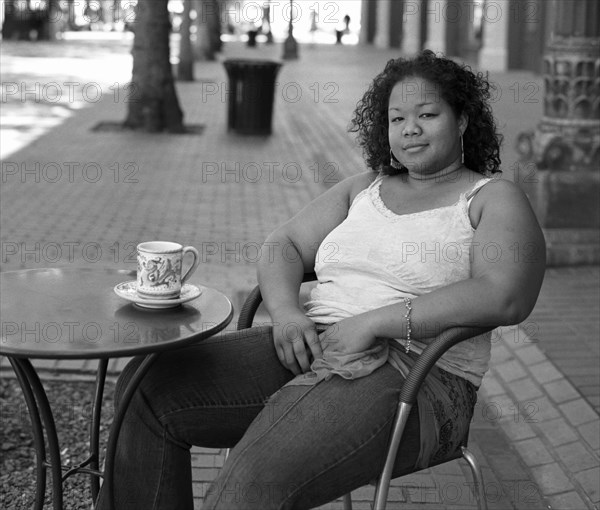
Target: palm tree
{"type": "Point", "coordinates": [153, 105]}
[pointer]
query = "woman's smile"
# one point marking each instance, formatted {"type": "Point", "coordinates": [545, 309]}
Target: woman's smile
{"type": "Point", "coordinates": [414, 147]}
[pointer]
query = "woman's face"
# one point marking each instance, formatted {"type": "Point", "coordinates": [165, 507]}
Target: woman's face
{"type": "Point", "coordinates": [424, 133]}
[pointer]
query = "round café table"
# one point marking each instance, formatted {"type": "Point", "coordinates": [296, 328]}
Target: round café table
{"type": "Point", "coordinates": [73, 313]}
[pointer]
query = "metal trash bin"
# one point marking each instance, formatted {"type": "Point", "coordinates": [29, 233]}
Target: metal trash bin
{"type": "Point", "coordinates": [252, 38]}
{"type": "Point", "coordinates": [251, 95]}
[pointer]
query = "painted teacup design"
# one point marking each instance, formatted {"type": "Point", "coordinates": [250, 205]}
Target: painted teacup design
{"type": "Point", "coordinates": [159, 271]}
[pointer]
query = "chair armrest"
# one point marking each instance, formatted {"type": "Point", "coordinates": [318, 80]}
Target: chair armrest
{"type": "Point", "coordinates": [253, 301]}
{"type": "Point", "coordinates": [408, 396]}
{"type": "Point", "coordinates": [249, 308]}
{"type": "Point", "coordinates": [433, 352]}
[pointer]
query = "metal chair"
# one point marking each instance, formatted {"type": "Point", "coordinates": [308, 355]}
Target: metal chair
{"type": "Point", "coordinates": [408, 396]}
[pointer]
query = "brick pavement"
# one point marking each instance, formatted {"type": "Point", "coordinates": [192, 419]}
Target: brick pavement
{"type": "Point", "coordinates": [536, 426]}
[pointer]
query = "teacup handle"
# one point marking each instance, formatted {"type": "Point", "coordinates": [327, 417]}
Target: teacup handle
{"type": "Point", "coordinates": [194, 265]}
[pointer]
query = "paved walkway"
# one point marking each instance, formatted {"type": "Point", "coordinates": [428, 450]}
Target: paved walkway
{"type": "Point", "coordinates": [78, 197]}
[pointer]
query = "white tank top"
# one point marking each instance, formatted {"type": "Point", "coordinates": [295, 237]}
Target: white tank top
{"type": "Point", "coordinates": [376, 257]}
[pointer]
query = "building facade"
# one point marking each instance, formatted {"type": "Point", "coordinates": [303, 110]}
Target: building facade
{"type": "Point", "coordinates": [494, 34]}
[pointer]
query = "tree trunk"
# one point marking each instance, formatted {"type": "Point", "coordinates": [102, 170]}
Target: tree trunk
{"type": "Point", "coordinates": [10, 29]}
{"type": "Point", "coordinates": [185, 67]}
{"type": "Point", "coordinates": [153, 106]}
{"type": "Point", "coordinates": [202, 43]}
{"type": "Point", "coordinates": [71, 15]}
{"type": "Point", "coordinates": [56, 20]}
{"type": "Point", "coordinates": [214, 23]}
{"type": "Point", "coordinates": [208, 29]}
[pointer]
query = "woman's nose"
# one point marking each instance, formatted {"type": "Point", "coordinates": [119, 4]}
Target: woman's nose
{"type": "Point", "coordinates": [411, 127]}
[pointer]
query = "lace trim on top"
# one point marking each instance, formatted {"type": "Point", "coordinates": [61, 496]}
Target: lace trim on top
{"type": "Point", "coordinates": [374, 193]}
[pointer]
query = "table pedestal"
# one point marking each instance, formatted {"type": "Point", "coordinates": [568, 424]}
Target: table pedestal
{"type": "Point", "coordinates": [45, 434]}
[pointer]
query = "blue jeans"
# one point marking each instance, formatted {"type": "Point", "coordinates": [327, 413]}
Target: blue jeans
{"type": "Point", "coordinates": [292, 448]}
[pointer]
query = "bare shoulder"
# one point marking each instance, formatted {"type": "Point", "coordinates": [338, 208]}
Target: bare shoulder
{"type": "Point", "coordinates": [309, 226]}
{"type": "Point", "coordinates": [501, 185]}
{"type": "Point", "coordinates": [499, 196]}
{"type": "Point", "coordinates": [346, 190]}
{"type": "Point", "coordinates": [359, 182]}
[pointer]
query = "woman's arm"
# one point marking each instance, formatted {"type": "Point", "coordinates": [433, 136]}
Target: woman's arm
{"type": "Point", "coordinates": [508, 263]}
{"type": "Point", "coordinates": [288, 253]}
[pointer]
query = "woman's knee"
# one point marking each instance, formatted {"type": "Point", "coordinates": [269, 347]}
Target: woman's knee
{"type": "Point", "coordinates": [125, 379]}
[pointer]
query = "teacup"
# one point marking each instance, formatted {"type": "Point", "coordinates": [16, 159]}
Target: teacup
{"type": "Point", "coordinates": [159, 269]}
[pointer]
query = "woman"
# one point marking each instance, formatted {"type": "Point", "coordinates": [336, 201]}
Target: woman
{"type": "Point", "coordinates": [424, 241]}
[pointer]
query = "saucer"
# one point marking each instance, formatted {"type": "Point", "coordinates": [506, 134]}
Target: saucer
{"type": "Point", "coordinates": [128, 290]}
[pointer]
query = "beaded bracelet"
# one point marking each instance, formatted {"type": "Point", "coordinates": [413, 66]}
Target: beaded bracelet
{"type": "Point", "coordinates": [407, 303]}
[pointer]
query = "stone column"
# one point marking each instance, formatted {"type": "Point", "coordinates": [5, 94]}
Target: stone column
{"type": "Point", "coordinates": [436, 25]}
{"type": "Point", "coordinates": [382, 37]}
{"type": "Point", "coordinates": [411, 22]}
{"type": "Point", "coordinates": [364, 22]}
{"type": "Point", "coordinates": [493, 55]}
{"type": "Point", "coordinates": [565, 146]}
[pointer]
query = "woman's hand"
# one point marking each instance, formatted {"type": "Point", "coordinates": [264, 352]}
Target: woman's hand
{"type": "Point", "coordinates": [349, 336]}
{"type": "Point", "coordinates": [296, 340]}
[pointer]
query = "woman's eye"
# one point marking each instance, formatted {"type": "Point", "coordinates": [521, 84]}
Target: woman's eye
{"type": "Point", "coordinates": [428, 115]}
{"type": "Point", "coordinates": [396, 119]}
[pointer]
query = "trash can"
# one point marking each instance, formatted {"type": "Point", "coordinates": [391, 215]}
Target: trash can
{"type": "Point", "coordinates": [252, 38]}
{"type": "Point", "coordinates": [251, 95]}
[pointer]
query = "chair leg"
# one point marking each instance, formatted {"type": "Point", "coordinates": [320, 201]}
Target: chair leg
{"type": "Point", "coordinates": [383, 483]}
{"type": "Point", "coordinates": [348, 501]}
{"type": "Point", "coordinates": [478, 487]}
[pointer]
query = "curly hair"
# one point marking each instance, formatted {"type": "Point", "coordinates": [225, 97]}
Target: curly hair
{"type": "Point", "coordinates": [465, 91]}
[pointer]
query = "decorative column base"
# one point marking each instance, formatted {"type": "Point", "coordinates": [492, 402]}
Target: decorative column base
{"type": "Point", "coordinates": [567, 207]}
{"type": "Point", "coordinates": [565, 146]}
{"type": "Point", "coordinates": [568, 136]}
